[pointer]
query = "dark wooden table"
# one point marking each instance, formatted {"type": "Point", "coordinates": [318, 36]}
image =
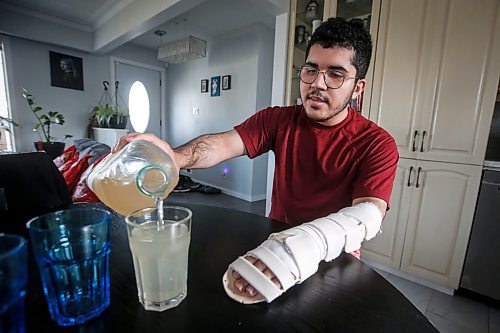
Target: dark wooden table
{"type": "Point", "coordinates": [343, 296]}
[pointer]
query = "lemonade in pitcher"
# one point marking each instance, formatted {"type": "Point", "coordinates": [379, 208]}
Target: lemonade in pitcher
{"type": "Point", "coordinates": [137, 176]}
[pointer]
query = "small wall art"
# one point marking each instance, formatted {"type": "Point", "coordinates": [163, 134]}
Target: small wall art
{"type": "Point", "coordinates": [215, 86]}
{"type": "Point", "coordinates": [226, 82]}
{"type": "Point", "coordinates": [204, 86]}
{"type": "Point", "coordinates": [66, 71]}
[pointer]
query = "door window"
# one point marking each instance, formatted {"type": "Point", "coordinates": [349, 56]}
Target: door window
{"type": "Point", "coordinates": [138, 105]}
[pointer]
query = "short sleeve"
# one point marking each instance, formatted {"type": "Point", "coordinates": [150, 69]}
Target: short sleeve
{"type": "Point", "coordinates": [377, 170]}
{"type": "Point", "coordinates": [259, 131]}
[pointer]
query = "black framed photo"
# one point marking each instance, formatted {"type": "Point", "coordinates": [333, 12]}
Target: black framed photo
{"type": "Point", "coordinates": [66, 71]}
{"type": "Point", "coordinates": [204, 86]}
{"type": "Point", "coordinates": [226, 82]}
{"type": "Point", "coordinates": [215, 86]}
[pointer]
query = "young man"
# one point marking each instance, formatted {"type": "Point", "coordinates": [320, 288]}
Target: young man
{"type": "Point", "coordinates": [334, 169]}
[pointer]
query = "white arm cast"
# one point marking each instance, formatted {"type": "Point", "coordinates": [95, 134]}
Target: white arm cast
{"type": "Point", "coordinates": [294, 254]}
{"type": "Point", "coordinates": [324, 238]}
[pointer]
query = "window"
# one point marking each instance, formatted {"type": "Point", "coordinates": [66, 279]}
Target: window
{"type": "Point", "coordinates": [138, 105]}
{"type": "Point", "coordinates": [6, 129]}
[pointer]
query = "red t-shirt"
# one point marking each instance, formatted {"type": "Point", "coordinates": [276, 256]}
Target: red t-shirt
{"type": "Point", "coordinates": [320, 169]}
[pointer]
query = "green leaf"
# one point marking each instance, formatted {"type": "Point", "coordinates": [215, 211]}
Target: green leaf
{"type": "Point", "coordinates": [37, 108]}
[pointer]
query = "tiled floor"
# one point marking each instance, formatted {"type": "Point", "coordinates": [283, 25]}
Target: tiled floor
{"type": "Point", "coordinates": [449, 314]}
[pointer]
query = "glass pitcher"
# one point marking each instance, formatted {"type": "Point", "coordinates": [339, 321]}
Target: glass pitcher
{"type": "Point", "coordinates": [134, 177]}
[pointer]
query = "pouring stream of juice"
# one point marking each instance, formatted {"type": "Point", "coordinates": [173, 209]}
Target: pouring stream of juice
{"type": "Point", "coordinates": [152, 181]}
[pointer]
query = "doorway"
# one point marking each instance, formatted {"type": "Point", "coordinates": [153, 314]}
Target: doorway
{"type": "Point", "coordinates": [130, 75]}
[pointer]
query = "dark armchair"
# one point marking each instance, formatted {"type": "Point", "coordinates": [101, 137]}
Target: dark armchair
{"type": "Point", "coordinates": [30, 185]}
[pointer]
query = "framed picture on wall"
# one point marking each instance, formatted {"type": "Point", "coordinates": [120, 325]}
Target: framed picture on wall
{"type": "Point", "coordinates": [204, 86]}
{"type": "Point", "coordinates": [215, 86]}
{"type": "Point", "coordinates": [66, 71]}
{"type": "Point", "coordinates": [226, 82]}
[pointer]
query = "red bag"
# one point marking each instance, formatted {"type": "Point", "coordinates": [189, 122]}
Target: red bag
{"type": "Point", "coordinates": [63, 168]}
{"type": "Point", "coordinates": [82, 191]}
{"type": "Point", "coordinates": [65, 156]}
{"type": "Point", "coordinates": [72, 175]}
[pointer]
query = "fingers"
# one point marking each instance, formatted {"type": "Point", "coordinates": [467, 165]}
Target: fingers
{"type": "Point", "coordinates": [243, 286]}
{"type": "Point", "coordinates": [124, 140]}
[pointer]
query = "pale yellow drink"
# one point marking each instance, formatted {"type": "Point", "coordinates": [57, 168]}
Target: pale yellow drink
{"type": "Point", "coordinates": [117, 178]}
{"type": "Point", "coordinates": [160, 255]}
{"type": "Point", "coordinates": [124, 196]}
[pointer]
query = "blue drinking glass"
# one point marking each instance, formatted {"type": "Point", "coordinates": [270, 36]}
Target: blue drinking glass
{"type": "Point", "coordinates": [13, 278]}
{"type": "Point", "coordinates": [72, 250]}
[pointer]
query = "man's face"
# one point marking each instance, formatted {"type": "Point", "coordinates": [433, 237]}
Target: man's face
{"type": "Point", "coordinates": [329, 106]}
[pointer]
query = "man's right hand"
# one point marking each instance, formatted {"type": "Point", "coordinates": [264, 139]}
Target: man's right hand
{"type": "Point", "coordinates": [124, 140]}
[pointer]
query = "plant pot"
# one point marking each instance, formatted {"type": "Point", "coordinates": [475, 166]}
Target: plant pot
{"type": "Point", "coordinates": [118, 122]}
{"type": "Point", "coordinates": [54, 149]}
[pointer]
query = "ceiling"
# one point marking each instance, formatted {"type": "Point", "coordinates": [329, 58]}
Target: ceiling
{"type": "Point", "coordinates": [83, 12]}
{"type": "Point", "coordinates": [211, 18]}
{"type": "Point", "coordinates": [207, 18]}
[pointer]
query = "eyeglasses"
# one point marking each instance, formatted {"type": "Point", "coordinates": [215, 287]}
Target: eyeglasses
{"type": "Point", "coordinates": [333, 79]}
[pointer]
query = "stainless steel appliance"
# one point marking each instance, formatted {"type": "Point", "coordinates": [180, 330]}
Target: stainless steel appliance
{"type": "Point", "coordinates": [481, 273]}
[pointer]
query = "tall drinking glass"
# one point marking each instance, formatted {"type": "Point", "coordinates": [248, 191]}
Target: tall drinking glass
{"type": "Point", "coordinates": [72, 252]}
{"type": "Point", "coordinates": [160, 252]}
{"type": "Point", "coordinates": [13, 277]}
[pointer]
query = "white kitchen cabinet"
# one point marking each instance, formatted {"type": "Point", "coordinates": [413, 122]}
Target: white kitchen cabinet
{"type": "Point", "coordinates": [368, 11]}
{"type": "Point", "coordinates": [425, 233]}
{"type": "Point", "coordinates": [436, 70]}
{"type": "Point", "coordinates": [439, 221]}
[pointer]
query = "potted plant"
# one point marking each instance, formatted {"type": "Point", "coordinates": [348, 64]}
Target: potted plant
{"type": "Point", "coordinates": [43, 127]}
{"type": "Point", "coordinates": [109, 116]}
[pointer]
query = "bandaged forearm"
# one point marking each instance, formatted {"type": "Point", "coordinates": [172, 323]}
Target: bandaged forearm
{"type": "Point", "coordinates": [325, 238]}
{"type": "Point", "coordinates": [294, 254]}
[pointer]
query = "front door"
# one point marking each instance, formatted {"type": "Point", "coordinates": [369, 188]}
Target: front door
{"type": "Point", "coordinates": [131, 74]}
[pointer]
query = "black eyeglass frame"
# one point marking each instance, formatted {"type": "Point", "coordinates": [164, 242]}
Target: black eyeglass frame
{"type": "Point", "coordinates": [324, 76]}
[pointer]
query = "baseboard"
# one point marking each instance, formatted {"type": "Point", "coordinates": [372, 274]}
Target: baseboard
{"type": "Point", "coordinates": [409, 277]}
{"type": "Point", "coordinates": [249, 198]}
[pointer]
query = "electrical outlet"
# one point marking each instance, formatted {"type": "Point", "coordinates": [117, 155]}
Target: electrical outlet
{"type": "Point", "coordinates": [196, 111]}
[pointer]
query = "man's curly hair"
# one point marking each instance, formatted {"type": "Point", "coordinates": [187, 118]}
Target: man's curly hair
{"type": "Point", "coordinates": [337, 32]}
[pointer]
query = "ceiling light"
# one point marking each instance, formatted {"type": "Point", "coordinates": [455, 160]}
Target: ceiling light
{"type": "Point", "coordinates": [181, 50]}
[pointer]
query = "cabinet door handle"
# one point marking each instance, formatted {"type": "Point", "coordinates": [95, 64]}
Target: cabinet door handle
{"type": "Point", "coordinates": [415, 134]}
{"type": "Point", "coordinates": [409, 177]}
{"type": "Point", "coordinates": [422, 143]}
{"type": "Point", "coordinates": [417, 185]}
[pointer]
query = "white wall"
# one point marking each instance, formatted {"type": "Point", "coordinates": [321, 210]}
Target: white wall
{"type": "Point", "coordinates": [28, 67]}
{"type": "Point", "coordinates": [246, 55]}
